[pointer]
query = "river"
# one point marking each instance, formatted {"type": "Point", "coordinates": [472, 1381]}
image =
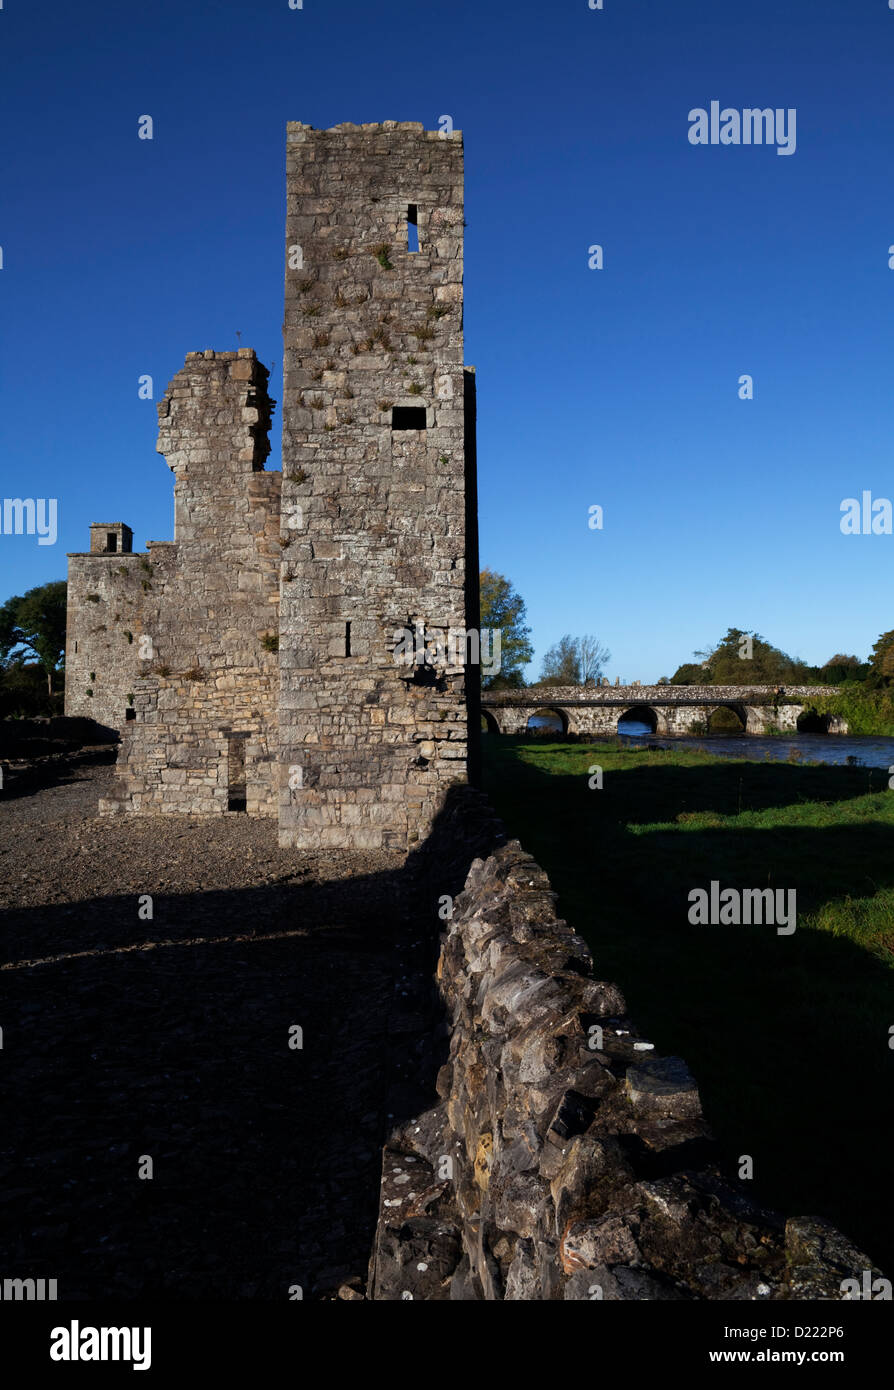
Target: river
{"type": "Point", "coordinates": [868, 750]}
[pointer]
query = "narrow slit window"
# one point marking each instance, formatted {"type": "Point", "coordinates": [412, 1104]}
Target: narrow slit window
{"type": "Point", "coordinates": [408, 417]}
{"type": "Point", "coordinates": [347, 639]}
{"type": "Point", "coordinates": [412, 228]}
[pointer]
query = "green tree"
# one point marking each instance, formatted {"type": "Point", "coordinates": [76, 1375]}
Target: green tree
{"type": "Point", "coordinates": [503, 610]}
{"type": "Point", "coordinates": [744, 658]}
{"type": "Point", "coordinates": [574, 661]}
{"type": "Point", "coordinates": [561, 664]}
{"type": "Point", "coordinates": [592, 657]}
{"type": "Point", "coordinates": [691, 673]}
{"type": "Point", "coordinates": [841, 668]}
{"type": "Point", "coordinates": [34, 624]}
{"type": "Point", "coordinates": [882, 658]}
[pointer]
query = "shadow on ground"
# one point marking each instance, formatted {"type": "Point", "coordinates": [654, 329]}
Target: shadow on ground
{"type": "Point", "coordinates": [169, 1039]}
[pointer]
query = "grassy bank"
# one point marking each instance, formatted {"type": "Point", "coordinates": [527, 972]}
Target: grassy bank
{"type": "Point", "coordinates": [787, 1035]}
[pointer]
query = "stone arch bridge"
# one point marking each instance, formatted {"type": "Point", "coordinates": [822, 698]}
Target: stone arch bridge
{"type": "Point", "coordinates": [669, 709]}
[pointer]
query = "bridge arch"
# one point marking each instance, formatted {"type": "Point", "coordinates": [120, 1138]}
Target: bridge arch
{"type": "Point", "coordinates": [727, 719]}
{"type": "Point", "coordinates": [490, 724]}
{"type": "Point", "coordinates": [809, 722]}
{"type": "Point", "coordinates": [553, 712]}
{"type": "Point", "coordinates": [639, 714]}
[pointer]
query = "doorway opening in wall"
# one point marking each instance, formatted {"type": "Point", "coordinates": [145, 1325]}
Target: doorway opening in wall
{"type": "Point", "coordinates": [111, 542]}
{"type": "Point", "coordinates": [412, 228]}
{"type": "Point", "coordinates": [236, 772]}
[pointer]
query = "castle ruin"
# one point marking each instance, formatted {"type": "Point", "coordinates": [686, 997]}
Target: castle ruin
{"type": "Point", "coordinates": [255, 663]}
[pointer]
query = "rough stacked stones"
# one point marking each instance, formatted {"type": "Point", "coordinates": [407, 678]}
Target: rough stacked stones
{"type": "Point", "coordinates": [375, 530]}
{"type": "Point", "coordinates": [204, 700]}
{"type": "Point", "coordinates": [566, 1159]}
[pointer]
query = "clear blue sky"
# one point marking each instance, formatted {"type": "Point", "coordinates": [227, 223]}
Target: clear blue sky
{"type": "Point", "coordinates": [616, 387]}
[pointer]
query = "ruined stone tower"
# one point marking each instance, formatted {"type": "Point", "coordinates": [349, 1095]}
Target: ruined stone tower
{"type": "Point", "coordinates": [177, 646]}
{"type": "Point", "coordinates": [362, 575]}
{"type": "Point", "coordinates": [378, 495]}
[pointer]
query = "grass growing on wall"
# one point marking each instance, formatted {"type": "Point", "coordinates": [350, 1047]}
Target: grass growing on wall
{"type": "Point", "coordinates": [786, 1035]}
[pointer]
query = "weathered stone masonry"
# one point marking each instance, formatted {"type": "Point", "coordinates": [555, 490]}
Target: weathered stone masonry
{"type": "Point", "coordinates": [187, 641]}
{"type": "Point", "coordinates": [375, 484]}
{"type": "Point", "coordinates": [374, 534]}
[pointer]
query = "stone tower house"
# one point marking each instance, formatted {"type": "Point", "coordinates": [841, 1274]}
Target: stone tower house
{"type": "Point", "coordinates": [306, 655]}
{"type": "Point", "coordinates": [378, 484]}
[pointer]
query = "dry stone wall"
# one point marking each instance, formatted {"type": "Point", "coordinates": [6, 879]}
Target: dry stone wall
{"type": "Point", "coordinates": [375, 501]}
{"type": "Point", "coordinates": [567, 1159]}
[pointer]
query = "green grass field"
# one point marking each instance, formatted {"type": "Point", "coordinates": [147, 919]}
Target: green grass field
{"type": "Point", "coordinates": [786, 1035]}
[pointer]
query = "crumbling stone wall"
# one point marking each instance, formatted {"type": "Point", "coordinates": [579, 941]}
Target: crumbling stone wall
{"type": "Point", "coordinates": [109, 603]}
{"type": "Point", "coordinates": [374, 515]}
{"type": "Point", "coordinates": [207, 637]}
{"type": "Point", "coordinates": [567, 1159]}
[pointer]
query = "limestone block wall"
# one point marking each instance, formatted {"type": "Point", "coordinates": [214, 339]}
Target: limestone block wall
{"type": "Point", "coordinates": [108, 600]}
{"type": "Point", "coordinates": [567, 1159]}
{"type": "Point", "coordinates": [375, 525]}
{"type": "Point", "coordinates": [194, 748]}
{"type": "Point", "coordinates": [205, 708]}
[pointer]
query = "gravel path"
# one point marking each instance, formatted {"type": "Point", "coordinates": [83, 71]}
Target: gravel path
{"type": "Point", "coordinates": [125, 1037]}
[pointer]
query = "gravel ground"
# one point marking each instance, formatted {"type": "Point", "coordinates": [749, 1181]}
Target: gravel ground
{"type": "Point", "coordinates": [126, 1038]}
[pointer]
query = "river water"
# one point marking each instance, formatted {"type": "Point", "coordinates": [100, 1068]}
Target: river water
{"type": "Point", "coordinates": [836, 749]}
{"type": "Point", "coordinates": [867, 749]}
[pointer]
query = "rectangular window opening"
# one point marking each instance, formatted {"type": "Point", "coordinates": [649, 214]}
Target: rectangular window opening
{"type": "Point", "coordinates": [408, 417]}
{"type": "Point", "coordinates": [130, 714]}
{"type": "Point", "coordinates": [347, 639]}
{"type": "Point", "coordinates": [412, 228]}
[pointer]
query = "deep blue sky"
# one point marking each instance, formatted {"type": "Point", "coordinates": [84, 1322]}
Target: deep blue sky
{"type": "Point", "coordinates": [617, 387]}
